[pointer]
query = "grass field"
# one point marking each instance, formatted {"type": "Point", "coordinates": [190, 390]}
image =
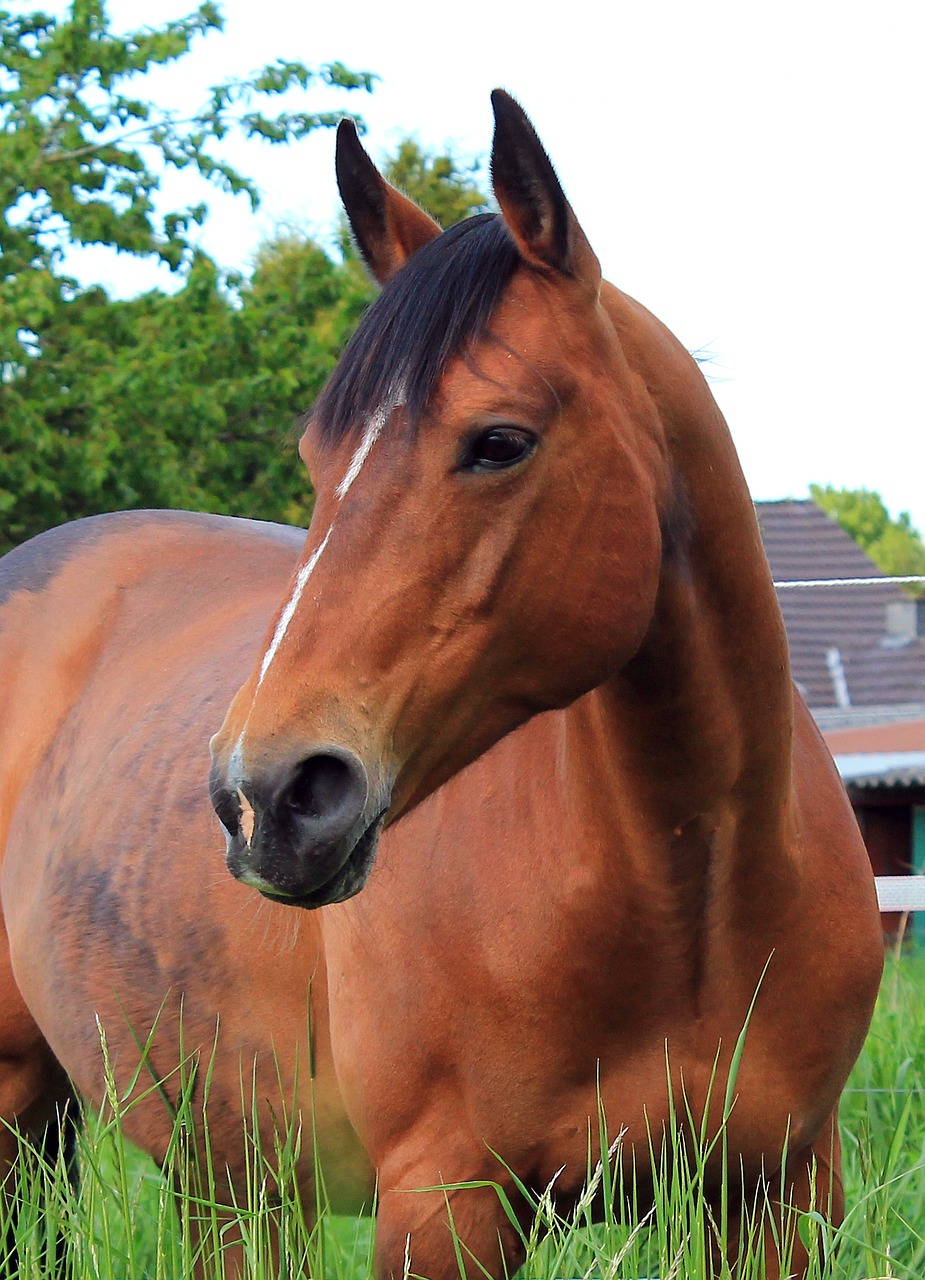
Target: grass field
{"type": "Point", "coordinates": [122, 1222]}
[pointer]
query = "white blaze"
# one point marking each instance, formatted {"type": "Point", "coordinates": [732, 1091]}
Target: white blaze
{"type": "Point", "coordinates": [370, 436]}
{"type": "Point", "coordinates": [373, 430]}
{"type": "Point", "coordinates": [236, 759]}
{"type": "Point", "coordinates": [285, 617]}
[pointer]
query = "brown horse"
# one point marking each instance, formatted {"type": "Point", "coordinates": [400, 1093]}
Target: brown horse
{"type": "Point", "coordinates": [532, 640]}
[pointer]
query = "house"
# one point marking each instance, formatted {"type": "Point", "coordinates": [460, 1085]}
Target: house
{"type": "Point", "coordinates": [858, 657]}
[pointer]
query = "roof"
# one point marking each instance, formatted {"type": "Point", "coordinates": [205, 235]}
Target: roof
{"type": "Point", "coordinates": [832, 719]}
{"type": "Point", "coordinates": [906, 735]}
{"type": "Point", "coordinates": [866, 770]}
{"type": "Point", "coordinates": [839, 641]}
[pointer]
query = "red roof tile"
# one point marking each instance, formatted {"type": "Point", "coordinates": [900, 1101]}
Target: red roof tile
{"type": "Point", "coordinates": [908, 735]}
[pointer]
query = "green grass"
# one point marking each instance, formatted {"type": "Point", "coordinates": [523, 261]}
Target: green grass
{"type": "Point", "coordinates": [883, 1133]}
{"type": "Point", "coordinates": [124, 1221]}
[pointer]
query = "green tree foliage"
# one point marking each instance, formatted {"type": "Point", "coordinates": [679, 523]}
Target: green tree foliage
{"type": "Point", "coordinates": [448, 189]}
{"type": "Point", "coordinates": [89, 401]}
{"type": "Point", "coordinates": [81, 152]}
{"type": "Point", "coordinates": [184, 400]}
{"type": "Point", "coordinates": [895, 546]}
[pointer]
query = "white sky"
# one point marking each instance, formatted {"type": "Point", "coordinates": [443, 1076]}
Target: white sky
{"type": "Point", "coordinates": [751, 172]}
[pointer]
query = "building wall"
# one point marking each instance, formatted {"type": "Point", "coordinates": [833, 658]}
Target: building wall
{"type": "Point", "coordinates": [892, 822]}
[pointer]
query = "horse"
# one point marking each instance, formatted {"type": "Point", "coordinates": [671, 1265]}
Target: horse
{"type": "Point", "coordinates": [513, 726]}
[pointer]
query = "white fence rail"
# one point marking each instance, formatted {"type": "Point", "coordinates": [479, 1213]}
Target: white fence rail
{"type": "Point", "coordinates": [901, 893]}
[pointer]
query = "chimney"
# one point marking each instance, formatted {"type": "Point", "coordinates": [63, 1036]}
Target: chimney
{"type": "Point", "coordinates": [905, 620]}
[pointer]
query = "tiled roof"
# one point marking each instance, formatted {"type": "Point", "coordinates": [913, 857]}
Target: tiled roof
{"type": "Point", "coordinates": [893, 779]}
{"type": "Point", "coordinates": [802, 542]}
{"type": "Point", "coordinates": [906, 735]}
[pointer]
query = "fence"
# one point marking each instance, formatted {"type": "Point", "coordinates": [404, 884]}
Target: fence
{"type": "Point", "coordinates": [908, 580]}
{"type": "Point", "coordinates": [901, 893]}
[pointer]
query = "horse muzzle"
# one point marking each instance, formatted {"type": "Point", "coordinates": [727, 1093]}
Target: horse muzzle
{"type": "Point", "coordinates": [302, 833]}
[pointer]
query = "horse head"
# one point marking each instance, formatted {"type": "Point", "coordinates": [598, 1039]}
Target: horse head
{"type": "Point", "coordinates": [492, 479]}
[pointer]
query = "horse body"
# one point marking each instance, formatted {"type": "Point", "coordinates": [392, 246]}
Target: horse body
{"type": "Point", "coordinates": [633, 862]}
{"type": "Point", "coordinates": [115, 906]}
{"type": "Point", "coordinates": [559, 678]}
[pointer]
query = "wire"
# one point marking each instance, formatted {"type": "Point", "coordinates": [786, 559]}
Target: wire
{"type": "Point", "coordinates": [908, 580]}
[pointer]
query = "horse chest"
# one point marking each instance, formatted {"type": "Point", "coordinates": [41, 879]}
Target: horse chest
{"type": "Point", "coordinates": [524, 1058]}
{"type": "Point", "coordinates": [553, 1127]}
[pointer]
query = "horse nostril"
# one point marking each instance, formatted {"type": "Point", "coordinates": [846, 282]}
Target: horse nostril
{"type": "Point", "coordinates": [327, 790]}
{"type": "Point", "coordinates": [226, 804]}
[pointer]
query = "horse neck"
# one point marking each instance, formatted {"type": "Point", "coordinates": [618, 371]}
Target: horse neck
{"type": "Point", "coordinates": [701, 718]}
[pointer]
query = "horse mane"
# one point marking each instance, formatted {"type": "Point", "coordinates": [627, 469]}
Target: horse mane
{"type": "Point", "coordinates": [439, 303]}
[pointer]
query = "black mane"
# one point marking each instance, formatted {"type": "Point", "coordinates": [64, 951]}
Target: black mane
{"type": "Point", "coordinates": [439, 302]}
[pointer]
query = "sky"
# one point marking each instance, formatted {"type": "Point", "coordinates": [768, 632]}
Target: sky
{"type": "Point", "coordinates": [751, 172]}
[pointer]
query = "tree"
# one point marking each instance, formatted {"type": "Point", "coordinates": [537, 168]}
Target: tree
{"type": "Point", "coordinates": [79, 150]}
{"type": "Point", "coordinates": [81, 156]}
{"type": "Point", "coordinates": [181, 400]}
{"type": "Point", "coordinates": [448, 189]}
{"type": "Point", "coordinates": [895, 546]}
{"type": "Point", "coordinates": [184, 400]}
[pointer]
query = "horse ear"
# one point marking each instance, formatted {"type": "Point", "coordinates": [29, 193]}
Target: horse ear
{"type": "Point", "coordinates": [532, 201]}
{"type": "Point", "coordinates": [387, 225]}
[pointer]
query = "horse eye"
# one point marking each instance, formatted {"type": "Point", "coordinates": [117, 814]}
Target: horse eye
{"type": "Point", "coordinates": [499, 447]}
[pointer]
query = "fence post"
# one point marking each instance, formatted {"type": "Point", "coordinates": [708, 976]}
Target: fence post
{"type": "Point", "coordinates": [918, 866]}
